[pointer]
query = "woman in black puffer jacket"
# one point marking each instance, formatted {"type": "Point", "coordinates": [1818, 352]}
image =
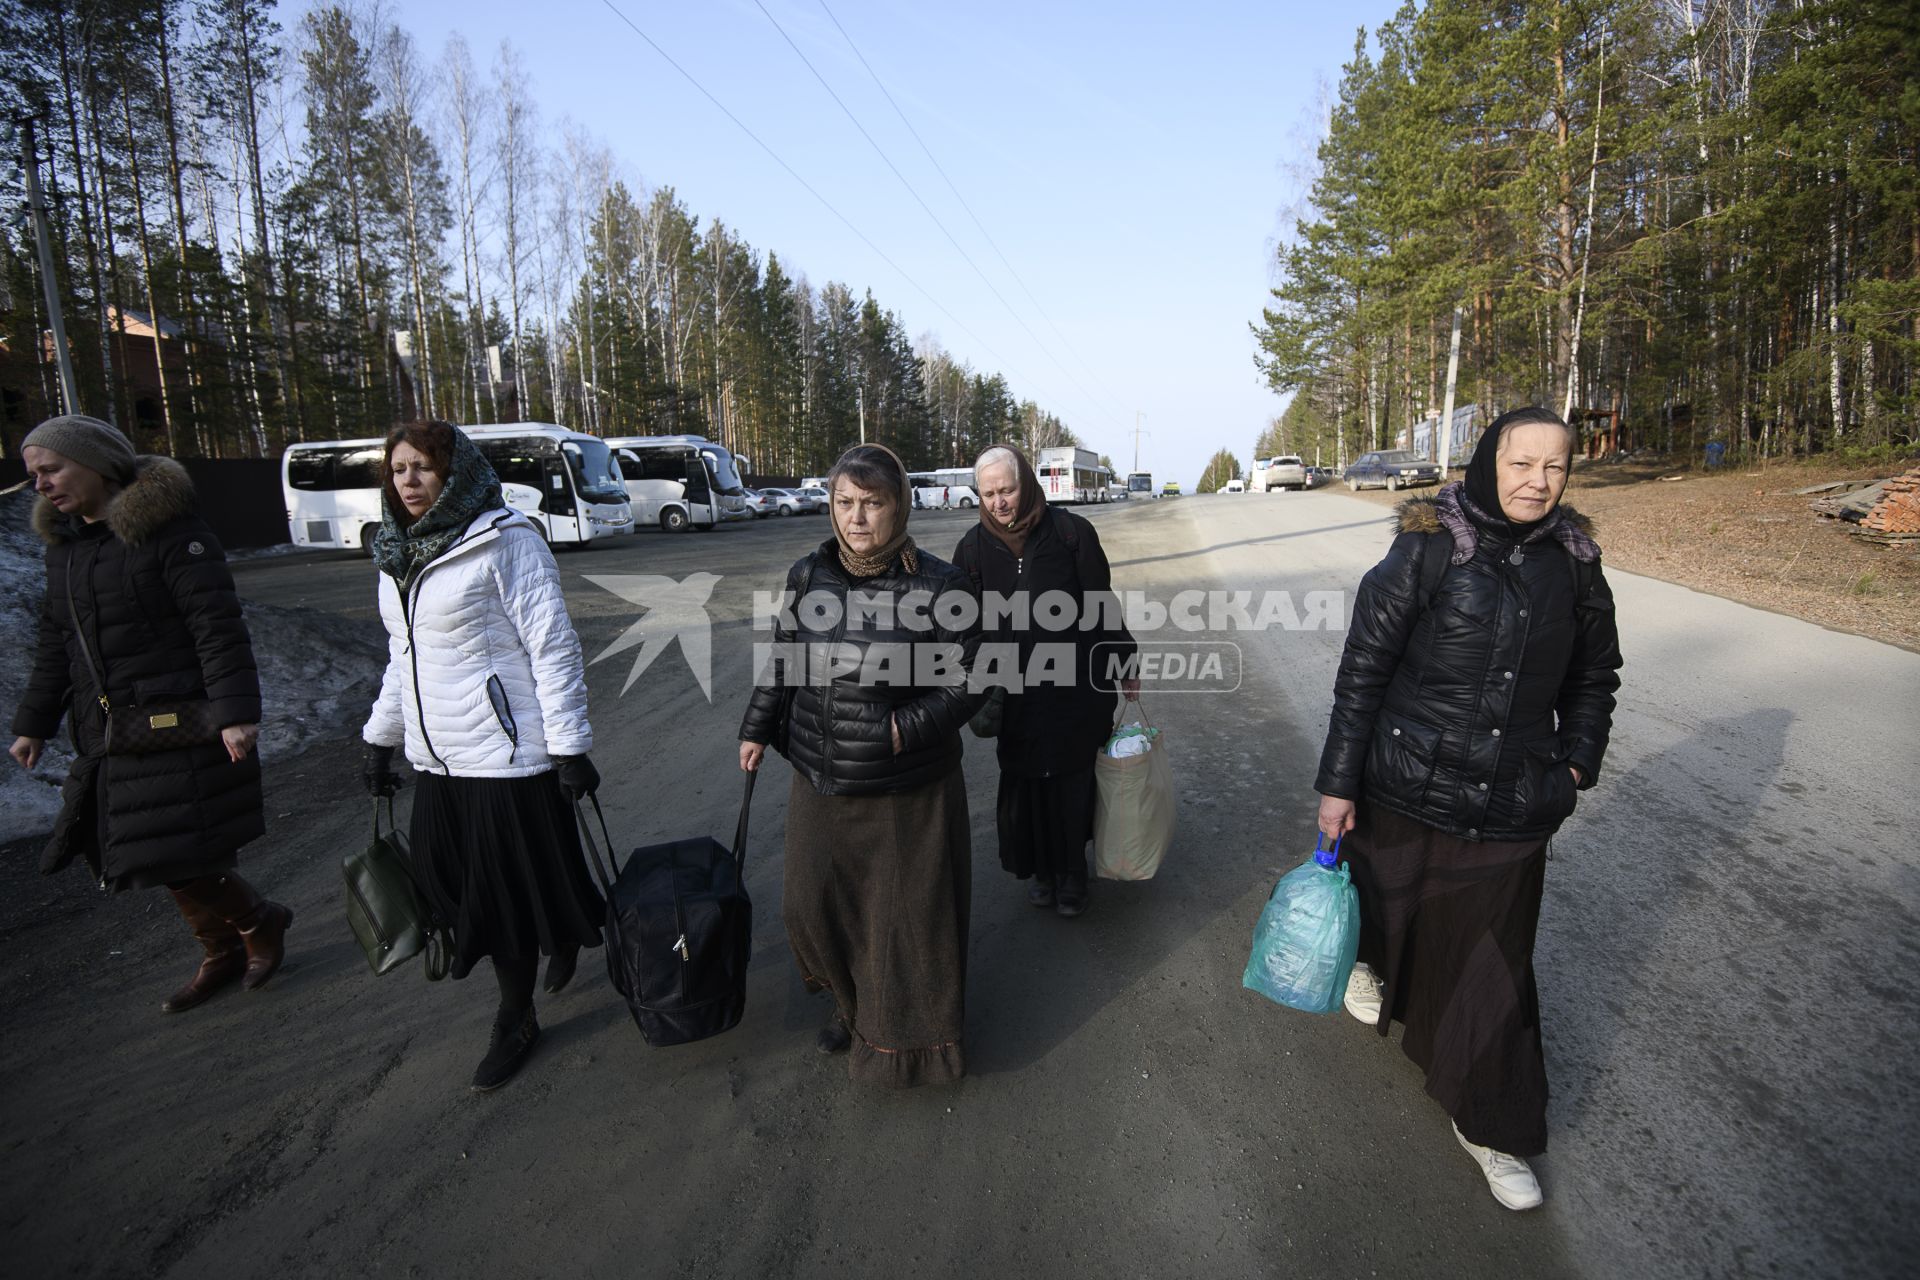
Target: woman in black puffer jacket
{"type": "Point", "coordinates": [1473, 703]}
{"type": "Point", "coordinates": [866, 696]}
{"type": "Point", "coordinates": [138, 589]}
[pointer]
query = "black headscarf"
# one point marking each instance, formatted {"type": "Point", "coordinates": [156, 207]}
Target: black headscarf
{"type": "Point", "coordinates": [1483, 471]}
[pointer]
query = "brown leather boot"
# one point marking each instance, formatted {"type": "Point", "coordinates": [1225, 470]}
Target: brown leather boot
{"type": "Point", "coordinates": [261, 924]}
{"type": "Point", "coordinates": [225, 961]}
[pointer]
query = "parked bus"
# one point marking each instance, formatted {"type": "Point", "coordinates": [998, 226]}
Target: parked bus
{"type": "Point", "coordinates": [946, 487]}
{"type": "Point", "coordinates": [1072, 475]}
{"type": "Point", "coordinates": [565, 482]}
{"type": "Point", "coordinates": [682, 482]}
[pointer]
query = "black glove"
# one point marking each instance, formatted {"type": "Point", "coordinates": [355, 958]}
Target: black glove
{"type": "Point", "coordinates": [376, 771]}
{"type": "Point", "coordinates": [578, 777]}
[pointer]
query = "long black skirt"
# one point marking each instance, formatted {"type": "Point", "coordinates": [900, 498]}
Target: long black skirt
{"type": "Point", "coordinates": [501, 865]}
{"type": "Point", "coordinates": [1045, 823]}
{"type": "Point", "coordinates": [1448, 925]}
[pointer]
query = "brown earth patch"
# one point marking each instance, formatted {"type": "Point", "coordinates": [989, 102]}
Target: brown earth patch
{"type": "Point", "coordinates": [1743, 534]}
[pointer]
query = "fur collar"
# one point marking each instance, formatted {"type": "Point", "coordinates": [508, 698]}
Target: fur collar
{"type": "Point", "coordinates": [160, 493]}
{"type": "Point", "coordinates": [1441, 514]}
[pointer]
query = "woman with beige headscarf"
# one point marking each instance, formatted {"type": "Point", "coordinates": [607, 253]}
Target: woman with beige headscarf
{"type": "Point", "coordinates": [878, 880]}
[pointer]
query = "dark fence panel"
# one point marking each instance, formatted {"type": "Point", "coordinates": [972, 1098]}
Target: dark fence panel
{"type": "Point", "coordinates": [239, 497]}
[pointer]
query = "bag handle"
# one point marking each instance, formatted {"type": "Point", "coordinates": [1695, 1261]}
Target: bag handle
{"type": "Point", "coordinates": [740, 829]}
{"type": "Point", "coordinates": [600, 861]}
{"type": "Point", "coordinates": [1139, 702]}
{"type": "Point", "coordinates": [1320, 847]}
{"type": "Point", "coordinates": [391, 824]}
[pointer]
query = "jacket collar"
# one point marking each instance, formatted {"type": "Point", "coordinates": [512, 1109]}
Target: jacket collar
{"type": "Point", "coordinates": [160, 492]}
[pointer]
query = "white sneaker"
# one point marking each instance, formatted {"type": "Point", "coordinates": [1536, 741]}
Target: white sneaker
{"type": "Point", "coordinates": [1508, 1177]}
{"type": "Point", "coordinates": [1363, 995]}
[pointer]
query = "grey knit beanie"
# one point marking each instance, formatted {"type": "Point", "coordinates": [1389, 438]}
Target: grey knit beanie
{"type": "Point", "coordinates": [89, 442]}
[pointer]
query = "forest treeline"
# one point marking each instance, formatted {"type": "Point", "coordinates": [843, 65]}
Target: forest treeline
{"type": "Point", "coordinates": [336, 230]}
{"type": "Point", "coordinates": [1697, 215]}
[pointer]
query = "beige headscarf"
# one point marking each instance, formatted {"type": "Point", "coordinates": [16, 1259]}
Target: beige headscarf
{"type": "Point", "coordinates": [877, 469]}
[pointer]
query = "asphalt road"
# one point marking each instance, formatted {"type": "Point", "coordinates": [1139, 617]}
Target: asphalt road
{"type": "Point", "coordinates": [1726, 966]}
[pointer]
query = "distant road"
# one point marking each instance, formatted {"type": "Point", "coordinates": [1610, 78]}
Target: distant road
{"type": "Point", "coordinates": [1726, 967]}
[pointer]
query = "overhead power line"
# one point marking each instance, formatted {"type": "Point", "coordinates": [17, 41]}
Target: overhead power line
{"type": "Point", "coordinates": [951, 186]}
{"type": "Point", "coordinates": [1092, 400]}
{"type": "Point", "coordinates": [810, 189]}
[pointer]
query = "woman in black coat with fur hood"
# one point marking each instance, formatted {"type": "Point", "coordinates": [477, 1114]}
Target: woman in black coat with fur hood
{"type": "Point", "coordinates": [1473, 704]}
{"type": "Point", "coordinates": [139, 597]}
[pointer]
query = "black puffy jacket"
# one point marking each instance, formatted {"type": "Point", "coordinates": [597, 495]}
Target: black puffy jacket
{"type": "Point", "coordinates": [1465, 715]}
{"type": "Point", "coordinates": [151, 588]}
{"type": "Point", "coordinates": [837, 732]}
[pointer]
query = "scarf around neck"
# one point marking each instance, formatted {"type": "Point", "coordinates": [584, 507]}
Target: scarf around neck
{"type": "Point", "coordinates": [1029, 507]}
{"type": "Point", "coordinates": [401, 551]}
{"type": "Point", "coordinates": [1465, 521]}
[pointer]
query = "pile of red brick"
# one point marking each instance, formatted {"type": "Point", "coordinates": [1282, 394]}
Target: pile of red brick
{"type": "Point", "coordinates": [1898, 511]}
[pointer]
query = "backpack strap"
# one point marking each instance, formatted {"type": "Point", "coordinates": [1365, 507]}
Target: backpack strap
{"type": "Point", "coordinates": [1436, 555]}
{"type": "Point", "coordinates": [1069, 530]}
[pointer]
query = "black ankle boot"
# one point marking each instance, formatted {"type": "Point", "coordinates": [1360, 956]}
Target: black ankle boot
{"type": "Point", "coordinates": [1070, 895]}
{"type": "Point", "coordinates": [560, 970]}
{"type": "Point", "coordinates": [515, 1032]}
{"type": "Point", "coordinates": [834, 1037]}
{"type": "Point", "coordinates": [1040, 892]}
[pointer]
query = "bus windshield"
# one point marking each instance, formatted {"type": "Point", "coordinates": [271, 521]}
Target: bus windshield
{"type": "Point", "coordinates": [726, 477]}
{"type": "Point", "coordinates": [593, 472]}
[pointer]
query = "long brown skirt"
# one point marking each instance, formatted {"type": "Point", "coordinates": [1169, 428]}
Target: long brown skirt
{"type": "Point", "coordinates": [877, 894]}
{"type": "Point", "coordinates": [1448, 925]}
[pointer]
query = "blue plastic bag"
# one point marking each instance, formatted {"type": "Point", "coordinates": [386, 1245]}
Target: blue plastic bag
{"type": "Point", "coordinates": [1308, 936]}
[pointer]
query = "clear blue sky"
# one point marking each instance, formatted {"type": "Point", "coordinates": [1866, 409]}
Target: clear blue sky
{"type": "Point", "coordinates": [1131, 160]}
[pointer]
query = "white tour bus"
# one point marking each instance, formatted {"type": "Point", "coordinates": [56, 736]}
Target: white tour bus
{"type": "Point", "coordinates": [946, 487]}
{"type": "Point", "coordinates": [1140, 484]}
{"type": "Point", "coordinates": [565, 482]}
{"type": "Point", "coordinates": [681, 482]}
{"type": "Point", "coordinates": [1071, 474]}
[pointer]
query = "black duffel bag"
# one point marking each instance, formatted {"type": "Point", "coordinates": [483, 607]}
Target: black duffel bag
{"type": "Point", "coordinates": [679, 931]}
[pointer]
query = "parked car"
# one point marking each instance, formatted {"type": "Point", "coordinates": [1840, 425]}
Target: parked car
{"type": "Point", "coordinates": [783, 502]}
{"type": "Point", "coordinates": [1171, 489]}
{"type": "Point", "coordinates": [1286, 471]}
{"type": "Point", "coordinates": [816, 498]}
{"type": "Point", "coordinates": [758, 504]}
{"type": "Point", "coordinates": [1394, 468]}
{"type": "Point", "coordinates": [1235, 485]}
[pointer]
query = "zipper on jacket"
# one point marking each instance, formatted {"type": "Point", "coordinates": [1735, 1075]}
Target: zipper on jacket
{"type": "Point", "coordinates": [503, 712]}
{"type": "Point", "coordinates": [409, 603]}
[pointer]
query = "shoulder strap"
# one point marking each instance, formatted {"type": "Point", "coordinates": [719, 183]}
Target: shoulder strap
{"type": "Point", "coordinates": [1069, 526]}
{"type": "Point", "coordinates": [80, 634]}
{"type": "Point", "coordinates": [1584, 574]}
{"type": "Point", "coordinates": [966, 556]}
{"type": "Point", "coordinates": [1436, 554]}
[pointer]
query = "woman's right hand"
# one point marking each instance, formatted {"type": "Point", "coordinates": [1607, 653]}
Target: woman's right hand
{"type": "Point", "coordinates": [1336, 816]}
{"type": "Point", "coordinates": [27, 751]}
{"type": "Point", "coordinates": [751, 753]}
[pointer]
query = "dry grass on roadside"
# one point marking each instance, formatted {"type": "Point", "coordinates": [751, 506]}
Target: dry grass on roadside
{"type": "Point", "coordinates": [1743, 534]}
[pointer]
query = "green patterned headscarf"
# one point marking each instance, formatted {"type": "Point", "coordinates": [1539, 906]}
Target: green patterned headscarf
{"type": "Point", "coordinates": [402, 551]}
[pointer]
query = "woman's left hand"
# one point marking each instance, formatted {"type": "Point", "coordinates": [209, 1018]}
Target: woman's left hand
{"type": "Point", "coordinates": [239, 739]}
{"type": "Point", "coordinates": [894, 723]}
{"type": "Point", "coordinates": [1579, 779]}
{"type": "Point", "coordinates": [1130, 687]}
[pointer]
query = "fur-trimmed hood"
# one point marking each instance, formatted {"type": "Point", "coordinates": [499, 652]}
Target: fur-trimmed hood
{"type": "Point", "coordinates": [1444, 512]}
{"type": "Point", "coordinates": [159, 493]}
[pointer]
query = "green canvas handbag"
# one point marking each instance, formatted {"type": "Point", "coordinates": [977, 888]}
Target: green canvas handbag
{"type": "Point", "coordinates": [385, 910]}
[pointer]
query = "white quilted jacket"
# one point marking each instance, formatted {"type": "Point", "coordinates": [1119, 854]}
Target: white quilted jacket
{"type": "Point", "coordinates": [484, 677]}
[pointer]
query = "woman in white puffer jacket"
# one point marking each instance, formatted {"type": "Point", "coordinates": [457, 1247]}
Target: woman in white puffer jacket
{"type": "Point", "coordinates": [485, 687]}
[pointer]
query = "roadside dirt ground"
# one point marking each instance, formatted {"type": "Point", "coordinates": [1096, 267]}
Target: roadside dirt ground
{"type": "Point", "coordinates": [1743, 534]}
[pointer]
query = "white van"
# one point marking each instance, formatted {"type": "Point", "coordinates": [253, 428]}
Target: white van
{"type": "Point", "coordinates": [562, 480]}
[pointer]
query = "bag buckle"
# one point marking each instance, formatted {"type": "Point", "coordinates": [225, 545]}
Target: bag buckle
{"type": "Point", "coordinates": [167, 720]}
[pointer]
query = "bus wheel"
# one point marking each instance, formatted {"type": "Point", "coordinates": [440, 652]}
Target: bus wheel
{"type": "Point", "coordinates": [366, 539]}
{"type": "Point", "coordinates": [966, 504]}
{"type": "Point", "coordinates": [673, 520]}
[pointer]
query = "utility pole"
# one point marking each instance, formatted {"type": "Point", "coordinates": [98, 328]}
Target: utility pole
{"type": "Point", "coordinates": [860, 398]}
{"type": "Point", "coordinates": [1137, 433]}
{"type": "Point", "coordinates": [1444, 429]}
{"type": "Point", "coordinates": [36, 206]}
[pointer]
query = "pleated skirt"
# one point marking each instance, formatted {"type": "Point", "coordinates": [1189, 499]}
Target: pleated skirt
{"type": "Point", "coordinates": [500, 862]}
{"type": "Point", "coordinates": [1448, 925]}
